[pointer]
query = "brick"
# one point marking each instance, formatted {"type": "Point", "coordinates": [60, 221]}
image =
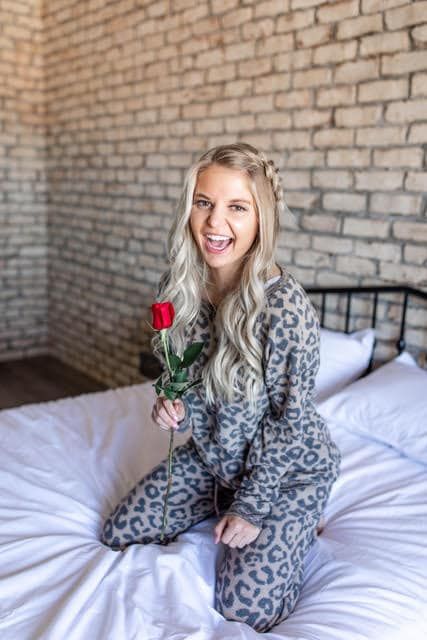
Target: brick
{"type": "Point", "coordinates": [333, 245]}
{"type": "Point", "coordinates": [312, 78]}
{"type": "Point", "coordinates": [348, 158]}
{"type": "Point", "coordinates": [418, 133]}
{"type": "Point", "coordinates": [386, 252]}
{"type": "Point", "coordinates": [293, 60]}
{"type": "Point", "coordinates": [371, 180]}
{"type": "Point", "coordinates": [333, 52]}
{"type": "Point", "coordinates": [337, 201]}
{"type": "Point", "coordinates": [281, 120]}
{"type": "Point", "coordinates": [250, 69]}
{"type": "Point", "coordinates": [391, 203]}
{"type": "Point", "coordinates": [236, 18]}
{"type": "Point", "coordinates": [263, 28]}
{"type": "Point", "coordinates": [292, 239]}
{"type": "Point", "coordinates": [402, 63]}
{"type": "Point", "coordinates": [365, 227]}
{"type": "Point", "coordinates": [222, 73]}
{"type": "Point", "coordinates": [291, 140]}
{"type": "Point", "coordinates": [398, 112]}
{"type": "Point", "coordinates": [272, 83]}
{"type": "Point", "coordinates": [332, 179]}
{"type": "Point", "coordinates": [210, 58]}
{"type": "Point", "coordinates": [240, 51]}
{"type": "Point", "coordinates": [313, 36]}
{"type": "Point", "coordinates": [333, 138]}
{"type": "Point", "coordinates": [413, 231]}
{"type": "Point", "coordinates": [337, 11]}
{"type": "Point", "coordinates": [224, 107]}
{"type": "Point", "coordinates": [238, 88]}
{"type": "Point", "coordinates": [416, 181]}
{"type": "Point", "coordinates": [275, 44]}
{"type": "Point", "coordinates": [307, 118]}
{"type": "Point", "coordinates": [301, 199]}
{"type": "Point", "coordinates": [383, 90]}
{"type": "Point", "coordinates": [336, 96]}
{"type": "Point", "coordinates": [380, 137]}
{"type": "Point", "coordinates": [294, 21]}
{"type": "Point", "coordinates": [292, 99]}
{"type": "Point", "coordinates": [403, 273]}
{"type": "Point", "coordinates": [309, 258]}
{"type": "Point", "coordinates": [356, 27]}
{"type": "Point", "coordinates": [417, 255]}
{"type": "Point", "coordinates": [384, 43]}
{"type": "Point", "coordinates": [256, 104]}
{"type": "Point", "coordinates": [371, 6]}
{"type": "Point", "coordinates": [206, 126]}
{"type": "Point", "coordinates": [420, 33]}
{"type": "Point", "coordinates": [306, 159]}
{"type": "Point", "coordinates": [328, 224]}
{"type": "Point", "coordinates": [353, 72]}
{"type": "Point", "coordinates": [302, 4]}
{"type": "Point", "coordinates": [240, 123]}
{"type": "Point", "coordinates": [271, 8]}
{"type": "Point", "coordinates": [419, 84]}
{"type": "Point", "coordinates": [400, 157]}
{"type": "Point", "coordinates": [351, 264]}
{"type": "Point", "coordinates": [358, 116]}
{"type": "Point", "coordinates": [221, 6]}
{"type": "Point", "coordinates": [297, 180]}
{"type": "Point", "coordinates": [413, 13]}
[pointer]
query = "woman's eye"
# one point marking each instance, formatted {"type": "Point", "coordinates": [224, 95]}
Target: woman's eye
{"type": "Point", "coordinates": [203, 204]}
{"type": "Point", "coordinates": [238, 208]}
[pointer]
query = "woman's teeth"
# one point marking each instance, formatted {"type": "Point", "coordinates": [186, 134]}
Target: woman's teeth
{"type": "Point", "coordinates": [218, 243]}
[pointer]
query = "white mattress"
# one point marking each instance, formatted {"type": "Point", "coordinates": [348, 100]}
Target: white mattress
{"type": "Point", "coordinates": [65, 464]}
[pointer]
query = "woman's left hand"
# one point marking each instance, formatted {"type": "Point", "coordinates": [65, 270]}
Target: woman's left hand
{"type": "Point", "coordinates": [235, 531]}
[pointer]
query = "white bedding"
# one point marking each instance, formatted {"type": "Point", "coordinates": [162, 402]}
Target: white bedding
{"type": "Point", "coordinates": [65, 464]}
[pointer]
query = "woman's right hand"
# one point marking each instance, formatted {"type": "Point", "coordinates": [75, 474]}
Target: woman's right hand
{"type": "Point", "coordinates": [167, 413]}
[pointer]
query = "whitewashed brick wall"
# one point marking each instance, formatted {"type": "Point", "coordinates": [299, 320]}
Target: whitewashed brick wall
{"type": "Point", "coordinates": [135, 90]}
{"type": "Point", "coordinates": [23, 227]}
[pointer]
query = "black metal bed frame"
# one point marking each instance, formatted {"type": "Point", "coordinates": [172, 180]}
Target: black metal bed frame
{"type": "Point", "coordinates": [376, 290]}
{"type": "Point", "coordinates": [149, 366]}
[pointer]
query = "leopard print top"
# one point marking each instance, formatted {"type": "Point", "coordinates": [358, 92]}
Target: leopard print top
{"type": "Point", "coordinates": [284, 441]}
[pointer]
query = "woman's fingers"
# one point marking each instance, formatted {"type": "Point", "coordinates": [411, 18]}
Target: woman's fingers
{"type": "Point", "coordinates": [164, 414]}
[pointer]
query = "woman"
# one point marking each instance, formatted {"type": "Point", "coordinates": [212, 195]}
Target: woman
{"type": "Point", "coordinates": [259, 453]}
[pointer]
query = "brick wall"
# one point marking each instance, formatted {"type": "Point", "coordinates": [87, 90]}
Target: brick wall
{"type": "Point", "coordinates": [135, 90]}
{"type": "Point", "coordinates": [23, 231]}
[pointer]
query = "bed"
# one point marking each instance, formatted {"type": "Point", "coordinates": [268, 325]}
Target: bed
{"type": "Point", "coordinates": [65, 464]}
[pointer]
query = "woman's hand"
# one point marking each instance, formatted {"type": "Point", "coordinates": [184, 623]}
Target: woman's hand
{"type": "Point", "coordinates": [235, 531]}
{"type": "Point", "coordinates": [167, 414]}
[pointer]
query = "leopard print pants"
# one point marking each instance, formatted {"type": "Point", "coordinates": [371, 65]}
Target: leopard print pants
{"type": "Point", "coordinates": [258, 584]}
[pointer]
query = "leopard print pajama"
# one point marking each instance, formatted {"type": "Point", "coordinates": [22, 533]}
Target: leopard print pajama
{"type": "Point", "coordinates": [258, 584]}
{"type": "Point", "coordinates": [274, 463]}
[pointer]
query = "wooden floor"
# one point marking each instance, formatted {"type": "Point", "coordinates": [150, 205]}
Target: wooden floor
{"type": "Point", "coordinates": [39, 379]}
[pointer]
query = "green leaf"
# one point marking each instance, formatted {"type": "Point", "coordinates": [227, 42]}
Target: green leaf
{"type": "Point", "coordinates": [177, 386]}
{"type": "Point", "coordinates": [175, 361]}
{"type": "Point", "coordinates": [171, 395]}
{"type": "Point", "coordinates": [191, 353]}
{"type": "Point", "coordinates": [158, 387]}
{"type": "Point", "coordinates": [180, 376]}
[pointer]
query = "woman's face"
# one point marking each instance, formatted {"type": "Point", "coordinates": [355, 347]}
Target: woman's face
{"type": "Point", "coordinates": [223, 207]}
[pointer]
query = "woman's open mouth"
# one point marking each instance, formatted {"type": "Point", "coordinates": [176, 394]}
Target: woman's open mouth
{"type": "Point", "coordinates": [217, 244]}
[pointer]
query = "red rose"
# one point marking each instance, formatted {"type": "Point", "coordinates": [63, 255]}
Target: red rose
{"type": "Point", "coordinates": [163, 314]}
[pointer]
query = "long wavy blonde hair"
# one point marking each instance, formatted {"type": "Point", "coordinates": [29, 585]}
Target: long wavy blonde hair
{"type": "Point", "coordinates": [234, 368]}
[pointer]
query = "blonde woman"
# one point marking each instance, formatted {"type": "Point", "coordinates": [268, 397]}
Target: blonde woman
{"type": "Point", "coordinates": [259, 455]}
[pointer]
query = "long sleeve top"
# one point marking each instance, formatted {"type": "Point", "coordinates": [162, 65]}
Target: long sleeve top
{"type": "Point", "coordinates": [283, 441]}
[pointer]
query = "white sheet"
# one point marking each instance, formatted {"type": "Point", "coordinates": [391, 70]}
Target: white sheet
{"type": "Point", "coordinates": [65, 464]}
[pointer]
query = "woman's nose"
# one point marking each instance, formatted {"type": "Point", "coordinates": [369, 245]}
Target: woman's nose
{"type": "Point", "coordinates": [217, 215]}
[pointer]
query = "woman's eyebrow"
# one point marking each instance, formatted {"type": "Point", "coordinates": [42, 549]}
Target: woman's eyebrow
{"type": "Point", "coordinates": [203, 195]}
